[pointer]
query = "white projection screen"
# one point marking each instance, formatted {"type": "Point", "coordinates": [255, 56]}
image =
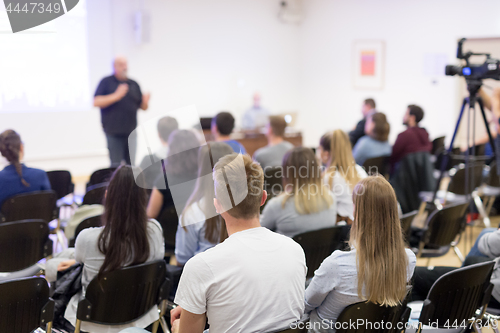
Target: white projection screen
{"type": "Point", "coordinates": [45, 68]}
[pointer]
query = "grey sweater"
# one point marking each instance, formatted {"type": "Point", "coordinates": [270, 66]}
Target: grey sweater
{"type": "Point", "coordinates": [489, 245]}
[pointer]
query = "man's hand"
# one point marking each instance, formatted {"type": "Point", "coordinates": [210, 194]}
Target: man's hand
{"type": "Point", "coordinates": [145, 101]}
{"type": "Point", "coordinates": [64, 265]}
{"type": "Point", "coordinates": [175, 314]}
{"type": "Point", "coordinates": [121, 91]}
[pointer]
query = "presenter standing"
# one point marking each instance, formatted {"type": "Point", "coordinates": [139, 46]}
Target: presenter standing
{"type": "Point", "coordinates": [119, 97]}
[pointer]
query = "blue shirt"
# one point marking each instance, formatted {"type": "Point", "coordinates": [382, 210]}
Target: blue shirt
{"type": "Point", "coordinates": [366, 148]}
{"type": "Point", "coordinates": [237, 147]}
{"type": "Point", "coordinates": [10, 182]}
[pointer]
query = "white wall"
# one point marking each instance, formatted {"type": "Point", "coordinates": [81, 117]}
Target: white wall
{"type": "Point", "coordinates": [214, 54]}
{"type": "Point", "coordinates": [409, 29]}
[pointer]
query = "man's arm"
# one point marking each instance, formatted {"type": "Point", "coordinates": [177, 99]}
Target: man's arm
{"type": "Point", "coordinates": [103, 101]}
{"type": "Point", "coordinates": [145, 101]}
{"type": "Point", "coordinates": [188, 322]}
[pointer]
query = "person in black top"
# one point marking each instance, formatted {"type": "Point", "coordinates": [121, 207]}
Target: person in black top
{"type": "Point", "coordinates": [119, 98]}
{"type": "Point", "coordinates": [359, 131]}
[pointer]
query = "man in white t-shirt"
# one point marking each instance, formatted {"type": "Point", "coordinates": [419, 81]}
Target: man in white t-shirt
{"type": "Point", "coordinates": [254, 280]}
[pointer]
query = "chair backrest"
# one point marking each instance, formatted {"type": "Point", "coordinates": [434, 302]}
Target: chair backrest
{"type": "Point", "coordinates": [443, 225]}
{"type": "Point", "coordinates": [25, 305]}
{"type": "Point", "coordinates": [458, 178]}
{"type": "Point", "coordinates": [371, 317]}
{"type": "Point", "coordinates": [23, 244]}
{"type": "Point", "coordinates": [273, 181]}
{"type": "Point", "coordinates": [456, 296]}
{"type": "Point", "coordinates": [95, 194]}
{"type": "Point", "coordinates": [438, 145]}
{"type": "Point", "coordinates": [406, 221]}
{"type": "Point", "coordinates": [124, 295]}
{"type": "Point", "coordinates": [169, 221]}
{"type": "Point", "coordinates": [32, 205]}
{"type": "Point", "coordinates": [60, 182]}
{"type": "Point", "coordinates": [377, 165]}
{"type": "Point", "coordinates": [100, 176]}
{"type": "Point", "coordinates": [318, 245]}
{"type": "Point", "coordinates": [94, 221]}
{"type": "Point", "coordinates": [493, 179]}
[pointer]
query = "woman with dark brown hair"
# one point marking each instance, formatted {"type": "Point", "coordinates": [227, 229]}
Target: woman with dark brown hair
{"type": "Point", "coordinates": [16, 178]}
{"type": "Point", "coordinates": [200, 227]}
{"type": "Point", "coordinates": [375, 143]}
{"type": "Point", "coordinates": [127, 238]}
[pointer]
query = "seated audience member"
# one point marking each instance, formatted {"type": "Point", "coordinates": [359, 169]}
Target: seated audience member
{"type": "Point", "coordinates": [16, 178]}
{"type": "Point", "coordinates": [306, 203]}
{"type": "Point", "coordinates": [374, 143]}
{"type": "Point", "coordinates": [222, 127]}
{"type": "Point", "coordinates": [127, 238]}
{"type": "Point", "coordinates": [181, 167]}
{"type": "Point", "coordinates": [414, 139]}
{"type": "Point", "coordinates": [200, 227]}
{"type": "Point", "coordinates": [377, 269]}
{"type": "Point", "coordinates": [486, 248]}
{"type": "Point", "coordinates": [342, 173]}
{"type": "Point", "coordinates": [255, 117]}
{"type": "Point", "coordinates": [151, 164]}
{"type": "Point", "coordinates": [358, 132]}
{"type": "Point", "coordinates": [255, 279]}
{"type": "Point", "coordinates": [272, 154]}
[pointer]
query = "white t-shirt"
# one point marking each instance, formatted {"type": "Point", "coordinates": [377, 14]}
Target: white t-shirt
{"type": "Point", "coordinates": [343, 192]}
{"type": "Point", "coordinates": [252, 282]}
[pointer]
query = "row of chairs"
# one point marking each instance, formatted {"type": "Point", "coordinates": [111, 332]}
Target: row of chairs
{"type": "Point", "coordinates": [124, 295]}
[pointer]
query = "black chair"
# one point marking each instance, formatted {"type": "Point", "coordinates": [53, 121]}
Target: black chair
{"type": "Point", "coordinates": [32, 205]}
{"type": "Point", "coordinates": [169, 221]}
{"type": "Point", "coordinates": [22, 245]}
{"type": "Point", "coordinates": [456, 296]}
{"type": "Point", "coordinates": [124, 295]}
{"type": "Point", "coordinates": [95, 221]}
{"type": "Point", "coordinates": [378, 165]}
{"type": "Point", "coordinates": [100, 176]}
{"type": "Point", "coordinates": [438, 146]}
{"type": "Point", "coordinates": [95, 194]}
{"type": "Point", "coordinates": [491, 188]}
{"type": "Point", "coordinates": [375, 318]}
{"type": "Point", "coordinates": [61, 182]}
{"type": "Point", "coordinates": [318, 245]}
{"type": "Point", "coordinates": [25, 305]}
{"type": "Point", "coordinates": [406, 221]}
{"type": "Point", "coordinates": [442, 231]}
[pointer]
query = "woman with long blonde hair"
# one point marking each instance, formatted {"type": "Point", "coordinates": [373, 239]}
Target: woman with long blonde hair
{"type": "Point", "coordinates": [306, 204]}
{"type": "Point", "coordinates": [377, 269]}
{"type": "Point", "coordinates": [342, 173]}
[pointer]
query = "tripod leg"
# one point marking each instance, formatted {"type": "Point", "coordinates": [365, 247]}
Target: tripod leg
{"type": "Point", "coordinates": [448, 153]}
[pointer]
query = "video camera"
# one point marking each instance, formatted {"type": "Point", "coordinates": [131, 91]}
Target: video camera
{"type": "Point", "coordinates": [490, 69]}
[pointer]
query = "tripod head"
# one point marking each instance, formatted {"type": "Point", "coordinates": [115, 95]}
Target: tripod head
{"type": "Point", "coordinates": [473, 86]}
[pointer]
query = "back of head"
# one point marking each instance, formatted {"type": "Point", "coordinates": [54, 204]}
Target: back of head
{"type": "Point", "coordinates": [182, 153]}
{"type": "Point", "coordinates": [370, 102]}
{"type": "Point", "coordinates": [278, 125]}
{"type": "Point", "coordinates": [235, 174]}
{"type": "Point", "coordinates": [166, 126]}
{"type": "Point", "coordinates": [208, 156]}
{"type": "Point", "coordinates": [224, 122]}
{"type": "Point", "coordinates": [416, 111]}
{"type": "Point", "coordinates": [10, 148]}
{"type": "Point", "coordinates": [376, 234]}
{"type": "Point", "coordinates": [302, 181]}
{"type": "Point", "coordinates": [381, 127]}
{"type": "Point", "coordinates": [338, 145]}
{"type": "Point", "coordinates": [124, 236]}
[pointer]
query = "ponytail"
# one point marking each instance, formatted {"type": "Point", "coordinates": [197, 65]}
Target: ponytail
{"type": "Point", "coordinates": [10, 147]}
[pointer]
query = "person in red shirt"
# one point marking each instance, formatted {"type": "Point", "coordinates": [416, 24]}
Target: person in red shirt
{"type": "Point", "coordinates": [414, 139]}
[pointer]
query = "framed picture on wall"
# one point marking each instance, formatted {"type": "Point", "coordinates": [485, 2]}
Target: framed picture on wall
{"type": "Point", "coordinates": [368, 64]}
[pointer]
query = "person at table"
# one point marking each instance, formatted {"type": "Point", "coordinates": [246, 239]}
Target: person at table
{"type": "Point", "coordinates": [255, 117]}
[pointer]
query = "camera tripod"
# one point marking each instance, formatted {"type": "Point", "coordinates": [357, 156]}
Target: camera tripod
{"type": "Point", "coordinates": [473, 86]}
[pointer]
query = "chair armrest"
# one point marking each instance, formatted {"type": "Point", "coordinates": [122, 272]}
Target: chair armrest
{"type": "Point", "coordinates": [164, 290]}
{"type": "Point", "coordinates": [47, 314]}
{"type": "Point", "coordinates": [84, 309]}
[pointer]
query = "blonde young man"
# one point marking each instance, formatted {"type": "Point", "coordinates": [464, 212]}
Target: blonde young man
{"type": "Point", "coordinates": [254, 280]}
